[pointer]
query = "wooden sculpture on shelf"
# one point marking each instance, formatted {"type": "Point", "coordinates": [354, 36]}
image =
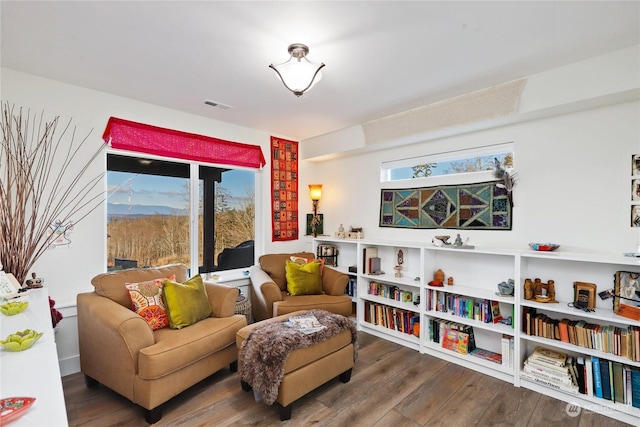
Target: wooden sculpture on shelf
{"type": "Point", "coordinates": [539, 291]}
{"type": "Point", "coordinates": [438, 278]}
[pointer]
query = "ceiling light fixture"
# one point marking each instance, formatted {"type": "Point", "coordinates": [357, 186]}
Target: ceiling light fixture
{"type": "Point", "coordinates": [298, 74]}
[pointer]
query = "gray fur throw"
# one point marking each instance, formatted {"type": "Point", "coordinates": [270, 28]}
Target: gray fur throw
{"type": "Point", "coordinates": [264, 352]}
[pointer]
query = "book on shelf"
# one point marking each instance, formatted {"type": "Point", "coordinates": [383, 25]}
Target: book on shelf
{"type": "Point", "coordinates": [563, 326]}
{"type": "Point", "coordinates": [559, 377]}
{"type": "Point", "coordinates": [635, 387]}
{"type": "Point", "coordinates": [588, 364]}
{"type": "Point", "coordinates": [597, 377]}
{"type": "Point", "coordinates": [581, 374]}
{"type": "Point", "coordinates": [548, 356]}
{"type": "Point", "coordinates": [564, 370]}
{"type": "Point", "coordinates": [455, 340]}
{"type": "Point", "coordinates": [495, 311]}
{"type": "Point", "coordinates": [571, 365]}
{"type": "Point", "coordinates": [605, 379]}
{"type": "Point", "coordinates": [368, 253]}
{"type": "Point", "coordinates": [374, 265]}
{"type": "Point", "coordinates": [507, 350]}
{"type": "Point", "coordinates": [618, 382]}
{"type": "Point", "coordinates": [487, 355]}
{"type": "Point", "coordinates": [551, 384]}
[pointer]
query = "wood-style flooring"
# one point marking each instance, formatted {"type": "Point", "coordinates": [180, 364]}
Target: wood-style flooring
{"type": "Point", "coordinates": [391, 385]}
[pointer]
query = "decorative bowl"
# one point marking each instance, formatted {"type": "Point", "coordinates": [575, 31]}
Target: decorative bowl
{"type": "Point", "coordinates": [14, 407]}
{"type": "Point", "coordinates": [13, 307]}
{"type": "Point", "coordinates": [21, 340]}
{"type": "Point", "coordinates": [544, 246]}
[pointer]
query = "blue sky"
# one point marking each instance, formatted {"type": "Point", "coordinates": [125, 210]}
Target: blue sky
{"type": "Point", "coordinates": [140, 189]}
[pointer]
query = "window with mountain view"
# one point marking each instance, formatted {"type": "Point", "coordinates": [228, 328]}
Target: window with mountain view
{"type": "Point", "coordinates": [148, 214]}
{"type": "Point", "coordinates": [480, 161]}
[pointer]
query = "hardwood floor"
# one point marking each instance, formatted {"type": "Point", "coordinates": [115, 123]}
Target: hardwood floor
{"type": "Point", "coordinates": [391, 386]}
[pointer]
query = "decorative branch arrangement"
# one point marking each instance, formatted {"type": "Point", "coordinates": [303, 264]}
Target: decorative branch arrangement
{"type": "Point", "coordinates": [42, 182]}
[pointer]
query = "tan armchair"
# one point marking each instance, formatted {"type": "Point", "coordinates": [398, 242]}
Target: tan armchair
{"type": "Point", "coordinates": [119, 350]}
{"type": "Point", "coordinates": [269, 297]}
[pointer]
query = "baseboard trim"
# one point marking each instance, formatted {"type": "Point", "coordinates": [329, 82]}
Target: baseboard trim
{"type": "Point", "coordinates": [70, 365]}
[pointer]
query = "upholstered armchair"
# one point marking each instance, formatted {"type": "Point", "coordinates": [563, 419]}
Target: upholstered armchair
{"type": "Point", "coordinates": [270, 298]}
{"type": "Point", "coordinates": [120, 350]}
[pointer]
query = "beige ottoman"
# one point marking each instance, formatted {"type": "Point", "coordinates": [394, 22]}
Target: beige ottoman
{"type": "Point", "coordinates": [307, 368]}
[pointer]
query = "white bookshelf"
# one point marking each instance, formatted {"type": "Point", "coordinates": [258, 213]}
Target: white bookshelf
{"type": "Point", "coordinates": [476, 274]}
{"type": "Point", "coordinates": [565, 269]}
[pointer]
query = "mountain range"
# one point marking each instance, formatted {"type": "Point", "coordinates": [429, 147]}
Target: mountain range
{"type": "Point", "coordinates": [117, 209]}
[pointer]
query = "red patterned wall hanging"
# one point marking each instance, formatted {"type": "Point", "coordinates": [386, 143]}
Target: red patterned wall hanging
{"type": "Point", "coordinates": [284, 189]}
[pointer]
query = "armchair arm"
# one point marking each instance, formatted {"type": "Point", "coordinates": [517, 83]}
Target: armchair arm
{"type": "Point", "coordinates": [110, 337]}
{"type": "Point", "coordinates": [222, 299]}
{"type": "Point", "coordinates": [333, 281]}
{"type": "Point", "coordinates": [264, 293]}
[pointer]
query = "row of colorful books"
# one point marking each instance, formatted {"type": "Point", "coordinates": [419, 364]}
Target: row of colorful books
{"type": "Point", "coordinates": [483, 310]}
{"type": "Point", "coordinates": [617, 340]}
{"type": "Point", "coordinates": [452, 336]}
{"type": "Point", "coordinates": [588, 375]}
{"type": "Point", "coordinates": [393, 318]}
{"type": "Point", "coordinates": [390, 291]}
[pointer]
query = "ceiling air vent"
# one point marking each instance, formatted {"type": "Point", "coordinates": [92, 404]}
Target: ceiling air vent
{"type": "Point", "coordinates": [217, 104]}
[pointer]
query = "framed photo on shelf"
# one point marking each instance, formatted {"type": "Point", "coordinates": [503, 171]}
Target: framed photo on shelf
{"type": "Point", "coordinates": [584, 294]}
{"type": "Point", "coordinates": [635, 189]}
{"type": "Point", "coordinates": [635, 164]}
{"type": "Point", "coordinates": [635, 215]}
{"type": "Point", "coordinates": [626, 298]}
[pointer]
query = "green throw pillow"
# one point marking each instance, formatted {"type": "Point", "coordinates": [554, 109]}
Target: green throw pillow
{"type": "Point", "coordinates": [303, 279]}
{"type": "Point", "coordinates": [187, 303]}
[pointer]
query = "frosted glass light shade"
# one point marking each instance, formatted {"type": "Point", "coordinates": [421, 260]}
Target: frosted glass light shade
{"type": "Point", "coordinates": [298, 74]}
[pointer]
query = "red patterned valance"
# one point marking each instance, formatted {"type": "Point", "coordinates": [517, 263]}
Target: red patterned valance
{"type": "Point", "coordinates": [284, 189]}
{"type": "Point", "coordinates": [142, 138]}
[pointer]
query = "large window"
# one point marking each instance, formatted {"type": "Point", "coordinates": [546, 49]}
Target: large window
{"type": "Point", "coordinates": [149, 215]}
{"type": "Point", "coordinates": [477, 161]}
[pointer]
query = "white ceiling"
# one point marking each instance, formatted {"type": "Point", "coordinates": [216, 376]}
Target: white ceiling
{"type": "Point", "coordinates": [381, 58]}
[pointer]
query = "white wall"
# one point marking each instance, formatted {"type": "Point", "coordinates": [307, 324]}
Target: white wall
{"type": "Point", "coordinates": [573, 182]}
{"type": "Point", "coordinates": [68, 270]}
{"type": "Point", "coordinates": [574, 132]}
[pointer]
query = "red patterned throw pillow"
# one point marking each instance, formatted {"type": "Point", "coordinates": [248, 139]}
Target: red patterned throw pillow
{"type": "Point", "coordinates": [147, 301]}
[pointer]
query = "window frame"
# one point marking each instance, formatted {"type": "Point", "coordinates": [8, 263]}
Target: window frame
{"type": "Point", "coordinates": [208, 173]}
{"type": "Point", "coordinates": [462, 177]}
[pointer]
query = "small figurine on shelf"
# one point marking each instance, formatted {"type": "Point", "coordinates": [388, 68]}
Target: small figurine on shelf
{"type": "Point", "coordinates": [398, 268]}
{"type": "Point", "coordinates": [34, 282]}
{"type": "Point", "coordinates": [459, 244]}
{"type": "Point", "coordinates": [528, 289]}
{"type": "Point", "coordinates": [441, 241]}
{"type": "Point", "coordinates": [539, 291]}
{"type": "Point", "coordinates": [438, 279]}
{"type": "Point", "coordinates": [340, 233]}
{"type": "Point", "coordinates": [506, 288]}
